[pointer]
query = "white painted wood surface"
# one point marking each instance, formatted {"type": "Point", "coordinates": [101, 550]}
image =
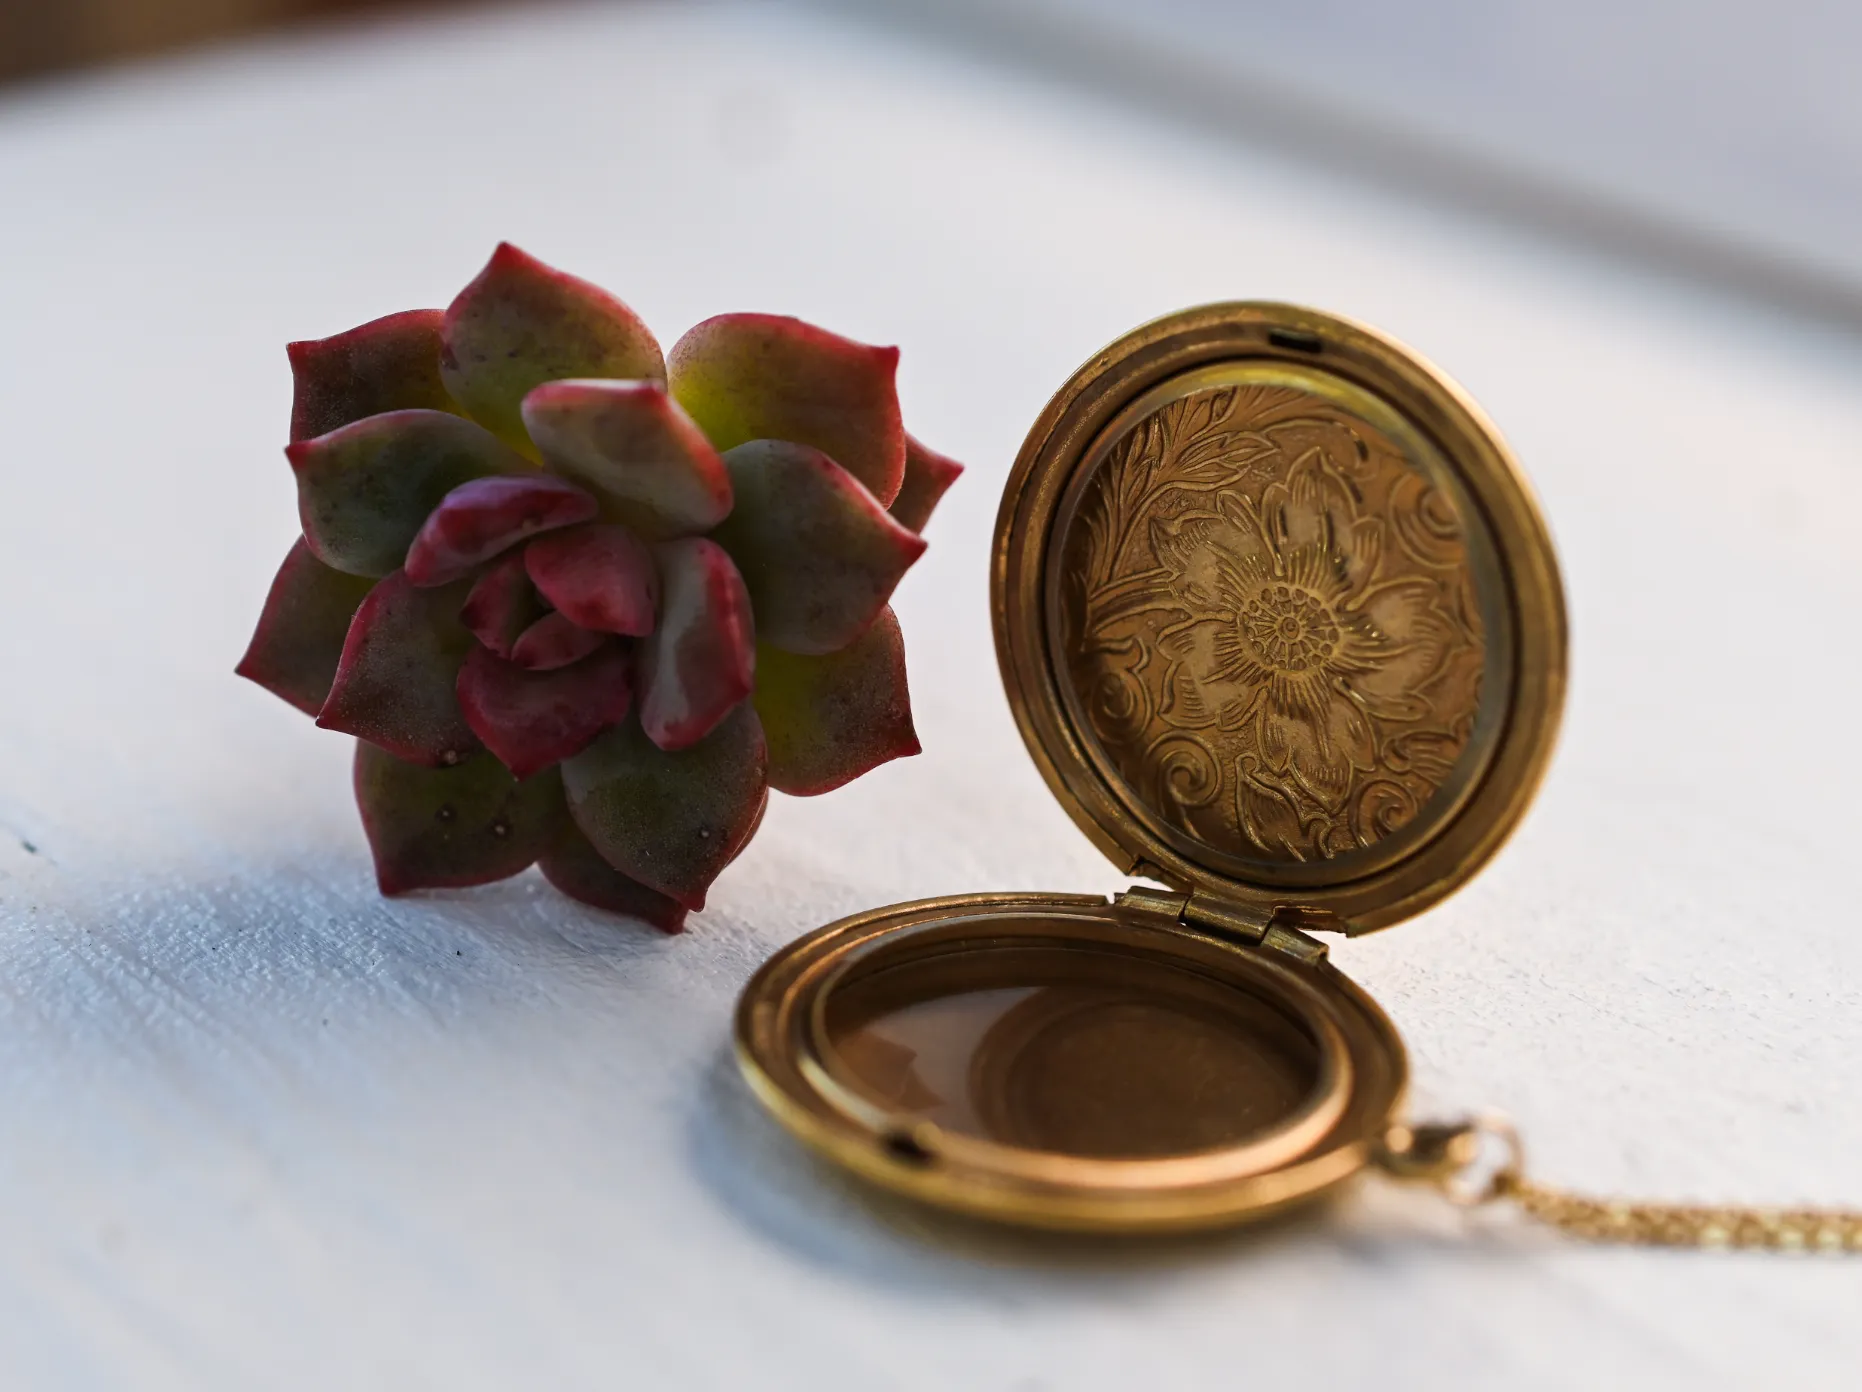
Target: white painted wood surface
{"type": "Point", "coordinates": [262, 1129]}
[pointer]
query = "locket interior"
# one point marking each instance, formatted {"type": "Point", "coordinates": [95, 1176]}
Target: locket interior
{"type": "Point", "coordinates": [1282, 628]}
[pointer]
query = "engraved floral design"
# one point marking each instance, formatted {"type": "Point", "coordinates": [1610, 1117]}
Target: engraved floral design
{"type": "Point", "coordinates": [1277, 644]}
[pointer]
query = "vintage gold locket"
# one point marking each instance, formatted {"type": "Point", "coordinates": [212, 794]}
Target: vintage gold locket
{"type": "Point", "coordinates": [1282, 626]}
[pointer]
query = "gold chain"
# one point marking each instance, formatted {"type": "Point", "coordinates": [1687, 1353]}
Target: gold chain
{"type": "Point", "coordinates": [1451, 1156]}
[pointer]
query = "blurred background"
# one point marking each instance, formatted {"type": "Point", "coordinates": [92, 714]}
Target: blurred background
{"type": "Point", "coordinates": [1715, 138]}
{"type": "Point", "coordinates": [49, 36]}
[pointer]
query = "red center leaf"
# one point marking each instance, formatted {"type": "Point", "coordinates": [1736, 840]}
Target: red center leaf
{"type": "Point", "coordinates": [702, 659]}
{"type": "Point", "coordinates": [477, 520]}
{"type": "Point", "coordinates": [531, 720]}
{"type": "Point", "coordinates": [552, 642]}
{"type": "Point", "coordinates": [502, 605]}
{"type": "Point", "coordinates": [600, 577]}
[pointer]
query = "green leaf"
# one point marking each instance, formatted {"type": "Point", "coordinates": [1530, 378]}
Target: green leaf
{"type": "Point", "coordinates": [672, 821]}
{"type": "Point", "coordinates": [765, 377]}
{"type": "Point", "coordinates": [818, 553]}
{"type": "Point", "coordinates": [577, 869]}
{"type": "Point", "coordinates": [522, 323]}
{"type": "Point", "coordinates": [439, 828]}
{"type": "Point", "coordinates": [365, 490]}
{"type": "Point", "coordinates": [830, 719]}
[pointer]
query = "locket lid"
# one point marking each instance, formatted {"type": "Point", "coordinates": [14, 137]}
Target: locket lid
{"type": "Point", "coordinates": [1278, 616]}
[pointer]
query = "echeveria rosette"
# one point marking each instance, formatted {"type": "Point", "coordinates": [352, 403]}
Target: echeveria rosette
{"type": "Point", "coordinates": [583, 604]}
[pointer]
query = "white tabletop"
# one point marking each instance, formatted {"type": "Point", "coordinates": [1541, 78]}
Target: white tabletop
{"type": "Point", "coordinates": [265, 1129]}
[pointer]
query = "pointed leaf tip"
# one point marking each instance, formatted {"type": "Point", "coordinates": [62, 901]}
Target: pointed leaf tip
{"type": "Point", "coordinates": [830, 719]}
{"type": "Point", "coordinates": [446, 828]}
{"type": "Point", "coordinates": [388, 364]}
{"type": "Point", "coordinates": [299, 640]}
{"type": "Point", "coordinates": [700, 661]}
{"type": "Point", "coordinates": [365, 490]}
{"type": "Point", "coordinates": [631, 444]}
{"type": "Point", "coordinates": [818, 553]}
{"type": "Point", "coordinates": [521, 323]}
{"type": "Point", "coordinates": [479, 519]}
{"type": "Point", "coordinates": [577, 869]}
{"type": "Point", "coordinates": [532, 720]}
{"type": "Point", "coordinates": [766, 377]}
{"type": "Point", "coordinates": [400, 663]}
{"type": "Point", "coordinates": [928, 476]}
{"type": "Point", "coordinates": [670, 820]}
{"type": "Point", "coordinates": [600, 576]}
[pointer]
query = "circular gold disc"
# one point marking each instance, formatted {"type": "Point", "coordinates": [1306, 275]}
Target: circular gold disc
{"type": "Point", "coordinates": [1278, 615]}
{"type": "Point", "coordinates": [1060, 1061]}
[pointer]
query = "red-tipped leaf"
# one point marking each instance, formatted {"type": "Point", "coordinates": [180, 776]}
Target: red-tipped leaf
{"type": "Point", "coordinates": [631, 444]}
{"type": "Point", "coordinates": [439, 828]}
{"type": "Point", "coordinates": [670, 820]}
{"type": "Point", "coordinates": [299, 641]}
{"type": "Point", "coordinates": [928, 476]}
{"type": "Point", "coordinates": [400, 663]}
{"type": "Point", "coordinates": [531, 720]}
{"type": "Point", "coordinates": [701, 660]}
{"type": "Point", "coordinates": [577, 869]}
{"type": "Point", "coordinates": [389, 364]}
{"type": "Point", "coordinates": [830, 719]}
{"type": "Point", "coordinates": [477, 520]}
{"type": "Point", "coordinates": [601, 577]}
{"type": "Point", "coordinates": [766, 377]}
{"type": "Point", "coordinates": [365, 490]}
{"type": "Point", "coordinates": [521, 323]}
{"type": "Point", "coordinates": [819, 554]}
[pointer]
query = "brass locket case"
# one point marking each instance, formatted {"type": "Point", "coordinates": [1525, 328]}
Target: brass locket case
{"type": "Point", "coordinates": [1282, 626]}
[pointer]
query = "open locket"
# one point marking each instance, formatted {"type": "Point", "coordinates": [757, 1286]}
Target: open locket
{"type": "Point", "coordinates": [1282, 627]}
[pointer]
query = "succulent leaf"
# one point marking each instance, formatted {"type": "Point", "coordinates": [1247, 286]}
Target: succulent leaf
{"type": "Point", "coordinates": [830, 719]}
{"type": "Point", "coordinates": [819, 554]}
{"type": "Point", "coordinates": [577, 869]}
{"type": "Point", "coordinates": [521, 323]}
{"type": "Point", "coordinates": [552, 642]}
{"type": "Point", "coordinates": [531, 720]}
{"type": "Point", "coordinates": [928, 476]}
{"type": "Point", "coordinates": [435, 828]}
{"type": "Point", "coordinates": [299, 640]}
{"type": "Point", "coordinates": [477, 520]}
{"type": "Point", "coordinates": [701, 660]}
{"type": "Point", "coordinates": [630, 442]}
{"type": "Point", "coordinates": [502, 605]}
{"type": "Point", "coordinates": [400, 663]}
{"type": "Point", "coordinates": [766, 377]}
{"type": "Point", "coordinates": [600, 576]}
{"type": "Point", "coordinates": [390, 364]}
{"type": "Point", "coordinates": [670, 820]}
{"type": "Point", "coordinates": [365, 489]}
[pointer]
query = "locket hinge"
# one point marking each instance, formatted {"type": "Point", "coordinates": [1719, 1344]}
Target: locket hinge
{"type": "Point", "coordinates": [1236, 922]}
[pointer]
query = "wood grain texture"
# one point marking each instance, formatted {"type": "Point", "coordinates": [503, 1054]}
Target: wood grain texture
{"type": "Point", "coordinates": [261, 1128]}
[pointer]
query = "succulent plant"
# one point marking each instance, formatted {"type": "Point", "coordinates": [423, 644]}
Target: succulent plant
{"type": "Point", "coordinates": [583, 605]}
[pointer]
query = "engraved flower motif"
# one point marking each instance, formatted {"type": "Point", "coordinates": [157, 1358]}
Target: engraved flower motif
{"type": "Point", "coordinates": [1293, 646]}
